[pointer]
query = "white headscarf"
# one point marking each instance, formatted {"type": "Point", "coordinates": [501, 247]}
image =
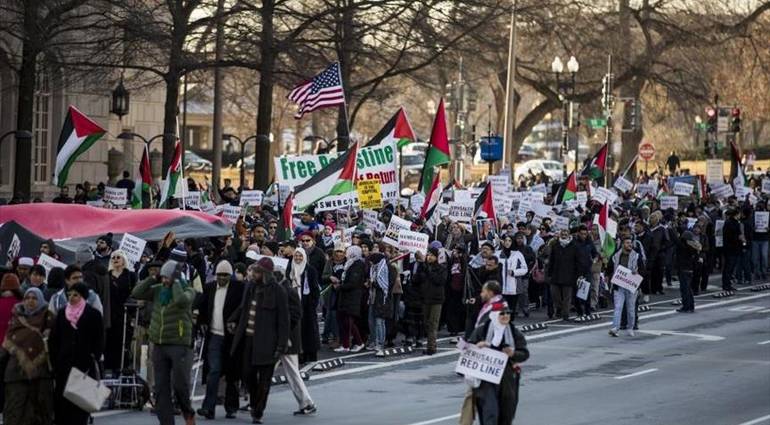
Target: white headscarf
{"type": "Point", "coordinates": [353, 254]}
{"type": "Point", "coordinates": [498, 332]}
{"type": "Point", "coordinates": [298, 269]}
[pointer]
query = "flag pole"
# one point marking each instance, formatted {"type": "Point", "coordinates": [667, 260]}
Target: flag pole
{"type": "Point", "coordinates": [344, 106]}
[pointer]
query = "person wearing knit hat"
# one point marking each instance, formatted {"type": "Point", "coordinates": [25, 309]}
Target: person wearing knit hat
{"type": "Point", "coordinates": [171, 333]}
{"type": "Point", "coordinates": [260, 333]}
{"type": "Point", "coordinates": [217, 303]}
{"type": "Point", "coordinates": [431, 277]}
{"type": "Point", "coordinates": [103, 249]}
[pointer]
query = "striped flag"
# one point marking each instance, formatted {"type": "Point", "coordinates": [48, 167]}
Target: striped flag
{"type": "Point", "coordinates": [77, 135]}
{"type": "Point", "coordinates": [174, 173]}
{"type": "Point", "coordinates": [323, 91]}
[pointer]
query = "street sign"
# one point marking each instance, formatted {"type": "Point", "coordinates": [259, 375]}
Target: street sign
{"type": "Point", "coordinates": [491, 148]}
{"type": "Point", "coordinates": [597, 123]}
{"type": "Point", "coordinates": [647, 151]}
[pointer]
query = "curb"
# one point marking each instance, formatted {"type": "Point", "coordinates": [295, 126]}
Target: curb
{"type": "Point", "coordinates": [281, 379]}
{"type": "Point", "coordinates": [643, 308]}
{"type": "Point", "coordinates": [534, 327]}
{"type": "Point", "coordinates": [397, 350]}
{"type": "Point", "coordinates": [328, 364]}
{"type": "Point", "coordinates": [677, 301]}
{"type": "Point", "coordinates": [723, 294]}
{"type": "Point", "coordinates": [764, 287]}
{"type": "Point", "coordinates": [588, 318]}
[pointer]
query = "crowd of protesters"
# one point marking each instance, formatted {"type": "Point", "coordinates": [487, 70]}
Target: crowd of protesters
{"type": "Point", "coordinates": [261, 295]}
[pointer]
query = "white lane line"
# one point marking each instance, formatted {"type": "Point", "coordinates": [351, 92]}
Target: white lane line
{"type": "Point", "coordinates": [529, 338]}
{"type": "Point", "coordinates": [641, 372]}
{"type": "Point", "coordinates": [764, 342]}
{"type": "Point", "coordinates": [437, 420]}
{"type": "Point", "coordinates": [756, 421]}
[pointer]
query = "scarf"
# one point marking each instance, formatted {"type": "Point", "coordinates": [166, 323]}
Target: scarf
{"type": "Point", "coordinates": [41, 304]}
{"type": "Point", "coordinates": [297, 269]}
{"type": "Point", "coordinates": [25, 340]}
{"type": "Point", "coordinates": [565, 242]}
{"type": "Point", "coordinates": [73, 312]}
{"type": "Point", "coordinates": [497, 332]}
{"type": "Point", "coordinates": [353, 254]}
{"type": "Point", "coordinates": [487, 307]}
{"type": "Point", "coordinates": [379, 273]}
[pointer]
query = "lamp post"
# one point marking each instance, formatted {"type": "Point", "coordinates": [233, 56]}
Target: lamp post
{"type": "Point", "coordinates": [21, 136]}
{"type": "Point", "coordinates": [228, 136]}
{"type": "Point", "coordinates": [128, 135]}
{"type": "Point", "coordinates": [566, 88]}
{"type": "Point", "coordinates": [120, 100]}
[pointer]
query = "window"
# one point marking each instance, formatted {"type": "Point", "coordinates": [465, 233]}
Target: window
{"type": "Point", "coordinates": [41, 125]}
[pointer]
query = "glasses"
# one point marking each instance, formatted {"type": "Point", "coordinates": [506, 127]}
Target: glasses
{"type": "Point", "coordinates": [117, 257]}
{"type": "Point", "coordinates": [307, 240]}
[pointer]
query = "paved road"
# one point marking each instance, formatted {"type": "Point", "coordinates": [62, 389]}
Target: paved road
{"type": "Point", "coordinates": [711, 367]}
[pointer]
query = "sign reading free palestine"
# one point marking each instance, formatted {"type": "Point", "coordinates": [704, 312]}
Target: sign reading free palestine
{"type": "Point", "coordinates": [373, 162]}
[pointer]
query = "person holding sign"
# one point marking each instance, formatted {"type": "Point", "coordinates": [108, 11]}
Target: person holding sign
{"type": "Point", "coordinates": [496, 404]}
{"type": "Point", "coordinates": [626, 257]}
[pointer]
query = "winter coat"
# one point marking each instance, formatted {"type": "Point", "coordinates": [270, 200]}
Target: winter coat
{"type": "Point", "coordinates": [316, 258]}
{"type": "Point", "coordinates": [311, 339]}
{"type": "Point", "coordinates": [431, 279]}
{"type": "Point", "coordinates": [382, 302]}
{"type": "Point", "coordinates": [731, 236]}
{"type": "Point", "coordinates": [205, 307]}
{"type": "Point", "coordinates": [563, 264]}
{"type": "Point", "coordinates": [10, 361]}
{"type": "Point", "coordinates": [586, 252]}
{"type": "Point", "coordinates": [352, 290]}
{"type": "Point", "coordinates": [295, 318]}
{"type": "Point", "coordinates": [271, 323]}
{"type": "Point", "coordinates": [170, 324]}
{"type": "Point", "coordinates": [515, 270]}
{"type": "Point", "coordinates": [81, 348]}
{"type": "Point", "coordinates": [96, 276]}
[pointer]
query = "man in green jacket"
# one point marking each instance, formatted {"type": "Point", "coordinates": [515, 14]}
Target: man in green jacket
{"type": "Point", "coordinates": [171, 333]}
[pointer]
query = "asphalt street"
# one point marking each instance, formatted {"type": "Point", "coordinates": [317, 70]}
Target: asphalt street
{"type": "Point", "coordinates": [710, 367]}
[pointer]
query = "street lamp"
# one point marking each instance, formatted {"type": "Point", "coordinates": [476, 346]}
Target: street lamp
{"type": "Point", "coordinates": [128, 135]}
{"type": "Point", "coordinates": [20, 134]}
{"type": "Point", "coordinates": [566, 88]}
{"type": "Point", "coordinates": [228, 136]}
{"type": "Point", "coordinates": [120, 100]}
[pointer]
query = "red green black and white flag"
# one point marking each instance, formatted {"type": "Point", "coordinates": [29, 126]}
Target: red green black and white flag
{"type": "Point", "coordinates": [337, 178]}
{"type": "Point", "coordinates": [438, 151]}
{"type": "Point", "coordinates": [397, 129]}
{"type": "Point", "coordinates": [174, 173]}
{"type": "Point", "coordinates": [595, 168]}
{"type": "Point", "coordinates": [77, 135]}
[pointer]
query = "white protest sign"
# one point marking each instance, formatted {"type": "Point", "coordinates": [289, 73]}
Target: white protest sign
{"type": "Point", "coordinates": [524, 208]}
{"type": "Point", "coordinates": [533, 196]}
{"type": "Point", "coordinates": [602, 195]}
{"type": "Point", "coordinates": [645, 189]}
{"type": "Point", "coordinates": [761, 220]}
{"type": "Point", "coordinates": [499, 183]}
{"type": "Point", "coordinates": [461, 211]}
{"type": "Point", "coordinates": [442, 210]}
{"type": "Point", "coordinates": [417, 200]}
{"type": "Point", "coordinates": [397, 224]}
{"type": "Point", "coordinates": [714, 171]}
{"type": "Point", "coordinates": [231, 213]}
{"type": "Point", "coordinates": [251, 197]}
{"type": "Point", "coordinates": [279, 263]}
{"type": "Point", "coordinates": [192, 200]}
{"type": "Point", "coordinates": [581, 197]}
{"type": "Point", "coordinates": [115, 195]}
{"type": "Point", "coordinates": [625, 279]}
{"type": "Point", "coordinates": [667, 202]}
{"type": "Point", "coordinates": [719, 226]}
{"type": "Point", "coordinates": [13, 248]}
{"type": "Point", "coordinates": [722, 191]}
{"type": "Point", "coordinates": [372, 220]}
{"type": "Point", "coordinates": [503, 203]}
{"type": "Point", "coordinates": [49, 262]}
{"type": "Point", "coordinates": [765, 185]}
{"type": "Point", "coordinates": [539, 188]}
{"type": "Point", "coordinates": [96, 204]}
{"type": "Point", "coordinates": [133, 247]}
{"type": "Point", "coordinates": [683, 189]}
{"type": "Point", "coordinates": [208, 207]}
{"type": "Point", "coordinates": [482, 363]}
{"type": "Point", "coordinates": [741, 192]}
{"type": "Point", "coordinates": [623, 184]}
{"type": "Point", "coordinates": [412, 242]}
{"type": "Point", "coordinates": [462, 195]}
{"type": "Point", "coordinates": [559, 223]}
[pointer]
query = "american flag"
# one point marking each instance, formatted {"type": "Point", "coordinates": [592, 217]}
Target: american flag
{"type": "Point", "coordinates": [324, 90]}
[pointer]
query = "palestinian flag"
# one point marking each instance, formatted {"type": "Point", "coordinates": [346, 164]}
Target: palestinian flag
{"type": "Point", "coordinates": [608, 241]}
{"type": "Point", "coordinates": [568, 190]}
{"type": "Point", "coordinates": [77, 135]}
{"type": "Point", "coordinates": [335, 179]}
{"type": "Point", "coordinates": [663, 189]}
{"type": "Point", "coordinates": [433, 199]}
{"type": "Point", "coordinates": [485, 204]}
{"type": "Point", "coordinates": [174, 173]}
{"type": "Point", "coordinates": [286, 221]}
{"type": "Point", "coordinates": [737, 176]}
{"type": "Point", "coordinates": [397, 130]}
{"type": "Point", "coordinates": [595, 168]}
{"type": "Point", "coordinates": [438, 151]}
{"type": "Point", "coordinates": [142, 196]}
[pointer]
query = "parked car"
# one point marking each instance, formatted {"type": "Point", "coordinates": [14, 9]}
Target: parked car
{"type": "Point", "coordinates": [192, 161]}
{"type": "Point", "coordinates": [553, 169]}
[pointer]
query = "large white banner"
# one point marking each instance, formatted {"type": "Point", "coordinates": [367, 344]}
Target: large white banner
{"type": "Point", "coordinates": [374, 162]}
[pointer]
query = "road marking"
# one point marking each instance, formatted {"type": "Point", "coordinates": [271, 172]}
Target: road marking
{"type": "Point", "coordinates": [437, 420]}
{"type": "Point", "coordinates": [641, 372]}
{"type": "Point", "coordinates": [747, 308]}
{"type": "Point", "coordinates": [756, 421]}
{"type": "Point", "coordinates": [702, 337]}
{"type": "Point", "coordinates": [530, 338]}
{"type": "Point", "coordinates": [764, 342]}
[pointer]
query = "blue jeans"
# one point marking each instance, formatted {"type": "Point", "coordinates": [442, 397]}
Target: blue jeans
{"type": "Point", "coordinates": [377, 327]}
{"type": "Point", "coordinates": [216, 356]}
{"type": "Point", "coordinates": [759, 257]}
{"type": "Point", "coordinates": [621, 297]}
{"type": "Point", "coordinates": [685, 290]}
{"type": "Point", "coordinates": [330, 325]}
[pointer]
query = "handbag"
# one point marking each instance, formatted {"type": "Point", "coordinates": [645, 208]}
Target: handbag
{"type": "Point", "coordinates": [583, 288]}
{"type": "Point", "coordinates": [538, 274]}
{"type": "Point", "coordinates": [85, 392]}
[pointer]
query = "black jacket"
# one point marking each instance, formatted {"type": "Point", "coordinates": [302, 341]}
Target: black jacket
{"type": "Point", "coordinates": [316, 259]}
{"type": "Point", "coordinates": [431, 279]}
{"type": "Point", "coordinates": [295, 318]}
{"type": "Point", "coordinates": [81, 347]}
{"type": "Point", "coordinates": [731, 234]}
{"type": "Point", "coordinates": [563, 264]}
{"type": "Point", "coordinates": [271, 323]}
{"type": "Point", "coordinates": [352, 289]}
{"type": "Point", "coordinates": [205, 305]}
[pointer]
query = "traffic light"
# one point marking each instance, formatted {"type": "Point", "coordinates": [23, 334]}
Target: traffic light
{"type": "Point", "coordinates": [574, 115]}
{"type": "Point", "coordinates": [711, 120]}
{"type": "Point", "coordinates": [631, 108]}
{"type": "Point", "coordinates": [735, 126]}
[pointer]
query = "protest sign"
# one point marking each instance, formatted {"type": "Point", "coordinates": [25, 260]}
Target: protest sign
{"type": "Point", "coordinates": [231, 213]}
{"type": "Point", "coordinates": [623, 184]}
{"type": "Point", "coordinates": [503, 202]}
{"type": "Point", "coordinates": [208, 207]}
{"type": "Point", "coordinates": [416, 202]}
{"type": "Point", "coordinates": [442, 210]}
{"type": "Point", "coordinates": [49, 262]}
{"type": "Point", "coordinates": [667, 202]}
{"type": "Point", "coordinates": [581, 197]}
{"type": "Point", "coordinates": [765, 185]}
{"type": "Point", "coordinates": [481, 363]}
{"type": "Point", "coordinates": [133, 247]}
{"type": "Point", "coordinates": [192, 200]}
{"type": "Point", "coordinates": [13, 248]}
{"type": "Point", "coordinates": [96, 204]}
{"type": "Point", "coordinates": [741, 192]}
{"type": "Point", "coordinates": [251, 198]}
{"type": "Point", "coordinates": [373, 162]}
{"type": "Point", "coordinates": [279, 263]}
{"type": "Point", "coordinates": [645, 189]}
{"type": "Point", "coordinates": [719, 226]}
{"type": "Point", "coordinates": [485, 229]}
{"type": "Point", "coordinates": [539, 188]}
{"type": "Point", "coordinates": [761, 219]}
{"type": "Point", "coordinates": [559, 223]}
{"type": "Point", "coordinates": [683, 189]}
{"type": "Point", "coordinates": [602, 195]}
{"type": "Point", "coordinates": [412, 242]}
{"type": "Point", "coordinates": [625, 279]}
{"type": "Point", "coordinates": [369, 193]}
{"type": "Point", "coordinates": [714, 173]}
{"type": "Point", "coordinates": [115, 195]}
{"type": "Point", "coordinates": [524, 208]}
{"type": "Point", "coordinates": [722, 191]}
{"type": "Point", "coordinates": [533, 196]}
{"type": "Point", "coordinates": [397, 224]}
{"type": "Point", "coordinates": [461, 211]}
{"type": "Point", "coordinates": [499, 183]}
{"type": "Point", "coordinates": [372, 221]}
{"type": "Point", "coordinates": [462, 195]}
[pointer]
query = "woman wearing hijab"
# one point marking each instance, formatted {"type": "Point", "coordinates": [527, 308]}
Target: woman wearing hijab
{"type": "Point", "coordinates": [351, 290]}
{"type": "Point", "coordinates": [514, 271]}
{"type": "Point", "coordinates": [28, 385]}
{"type": "Point", "coordinates": [76, 341]}
{"type": "Point", "coordinates": [453, 305]}
{"type": "Point", "coordinates": [122, 282]}
{"type": "Point", "coordinates": [382, 278]}
{"type": "Point", "coordinates": [496, 404]}
{"type": "Point", "coordinates": [305, 279]}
